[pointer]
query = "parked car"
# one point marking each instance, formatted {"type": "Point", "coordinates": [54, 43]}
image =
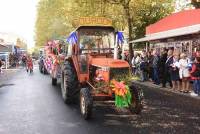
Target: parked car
{"type": "Point", "coordinates": [5, 59]}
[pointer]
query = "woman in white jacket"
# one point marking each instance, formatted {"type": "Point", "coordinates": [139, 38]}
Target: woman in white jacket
{"type": "Point", "coordinates": [184, 72]}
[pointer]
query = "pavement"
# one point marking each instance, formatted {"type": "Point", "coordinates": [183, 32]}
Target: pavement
{"type": "Point", "coordinates": [149, 84]}
{"type": "Point", "coordinates": [7, 74]}
{"type": "Point", "coordinates": [29, 104]}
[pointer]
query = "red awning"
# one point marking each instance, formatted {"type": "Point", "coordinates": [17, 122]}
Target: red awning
{"type": "Point", "coordinates": [177, 20]}
{"type": "Point", "coordinates": [170, 33]}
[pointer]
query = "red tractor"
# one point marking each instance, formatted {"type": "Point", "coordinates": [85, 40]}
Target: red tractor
{"type": "Point", "coordinates": [91, 65]}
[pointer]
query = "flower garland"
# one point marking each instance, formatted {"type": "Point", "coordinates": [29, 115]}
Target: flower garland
{"type": "Point", "coordinates": [52, 51]}
{"type": "Point", "coordinates": [122, 94]}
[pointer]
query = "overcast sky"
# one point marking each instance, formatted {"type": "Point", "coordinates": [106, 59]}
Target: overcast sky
{"type": "Point", "coordinates": [18, 17]}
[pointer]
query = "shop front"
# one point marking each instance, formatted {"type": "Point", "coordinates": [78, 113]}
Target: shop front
{"type": "Point", "coordinates": [179, 31]}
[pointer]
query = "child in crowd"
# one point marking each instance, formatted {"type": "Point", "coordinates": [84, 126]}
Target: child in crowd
{"type": "Point", "coordinates": [29, 64]}
{"type": "Point", "coordinates": [135, 63]}
{"type": "Point", "coordinates": [175, 72]}
{"type": "Point", "coordinates": [195, 76]}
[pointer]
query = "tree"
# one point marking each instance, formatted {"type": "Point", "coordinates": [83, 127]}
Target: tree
{"type": "Point", "coordinates": [148, 12]}
{"type": "Point", "coordinates": [195, 3]}
{"type": "Point", "coordinates": [141, 13]}
{"type": "Point", "coordinates": [126, 6]}
{"type": "Point", "coordinates": [53, 20]}
{"type": "Point", "coordinates": [21, 43]}
{"type": "Point", "coordinates": [55, 17]}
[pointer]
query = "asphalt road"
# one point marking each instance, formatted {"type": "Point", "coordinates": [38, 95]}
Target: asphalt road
{"type": "Point", "coordinates": [29, 104]}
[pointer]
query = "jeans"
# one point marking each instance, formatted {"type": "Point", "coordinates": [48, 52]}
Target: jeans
{"type": "Point", "coordinates": [151, 73]}
{"type": "Point", "coordinates": [143, 75]}
{"type": "Point", "coordinates": [166, 78]}
{"type": "Point", "coordinates": [156, 76]}
{"type": "Point", "coordinates": [134, 70]}
{"type": "Point", "coordinates": [196, 86]}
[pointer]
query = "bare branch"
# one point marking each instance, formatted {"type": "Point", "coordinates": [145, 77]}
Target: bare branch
{"type": "Point", "coordinates": [112, 1]}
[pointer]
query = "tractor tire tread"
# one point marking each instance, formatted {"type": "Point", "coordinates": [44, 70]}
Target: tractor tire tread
{"type": "Point", "coordinates": [71, 81]}
{"type": "Point", "coordinates": [88, 101]}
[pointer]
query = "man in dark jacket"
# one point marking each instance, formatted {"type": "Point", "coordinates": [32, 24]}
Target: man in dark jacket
{"type": "Point", "coordinates": [150, 65]}
{"type": "Point", "coordinates": [169, 61]}
{"type": "Point", "coordinates": [156, 60]}
{"type": "Point", "coordinates": [163, 60]}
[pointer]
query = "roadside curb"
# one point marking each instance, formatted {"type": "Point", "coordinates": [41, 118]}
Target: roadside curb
{"type": "Point", "coordinates": [7, 75]}
{"type": "Point", "coordinates": [152, 86]}
{"type": "Point", "coordinates": [11, 69]}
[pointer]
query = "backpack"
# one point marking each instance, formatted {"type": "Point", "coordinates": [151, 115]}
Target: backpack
{"type": "Point", "coordinates": [196, 73]}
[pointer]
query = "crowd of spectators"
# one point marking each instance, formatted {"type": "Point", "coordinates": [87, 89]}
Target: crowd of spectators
{"type": "Point", "coordinates": [14, 60]}
{"type": "Point", "coordinates": [179, 70]}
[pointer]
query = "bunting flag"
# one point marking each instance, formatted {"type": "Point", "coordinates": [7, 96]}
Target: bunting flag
{"type": "Point", "coordinates": [120, 38]}
{"type": "Point", "coordinates": [72, 39]}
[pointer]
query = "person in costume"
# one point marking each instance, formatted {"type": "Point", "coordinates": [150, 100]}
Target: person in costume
{"type": "Point", "coordinates": [29, 63]}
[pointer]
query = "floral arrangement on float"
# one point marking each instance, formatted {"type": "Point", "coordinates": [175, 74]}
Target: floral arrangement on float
{"type": "Point", "coordinates": [122, 93]}
{"type": "Point", "coordinates": [118, 86]}
{"type": "Point", "coordinates": [53, 50]}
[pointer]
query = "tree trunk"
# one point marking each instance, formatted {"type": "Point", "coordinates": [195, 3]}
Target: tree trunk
{"type": "Point", "coordinates": [130, 27]}
{"type": "Point", "coordinates": [196, 3]}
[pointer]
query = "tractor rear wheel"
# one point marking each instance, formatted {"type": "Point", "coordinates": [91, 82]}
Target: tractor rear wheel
{"type": "Point", "coordinates": [69, 82]}
{"type": "Point", "coordinates": [86, 103]}
{"type": "Point", "coordinates": [137, 98]}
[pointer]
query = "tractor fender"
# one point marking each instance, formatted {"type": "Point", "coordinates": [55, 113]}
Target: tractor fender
{"type": "Point", "coordinates": [67, 59]}
{"type": "Point", "coordinates": [70, 60]}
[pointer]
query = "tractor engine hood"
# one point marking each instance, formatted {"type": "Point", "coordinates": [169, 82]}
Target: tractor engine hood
{"type": "Point", "coordinates": [109, 62]}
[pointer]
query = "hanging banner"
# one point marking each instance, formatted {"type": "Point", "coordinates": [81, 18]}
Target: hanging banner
{"type": "Point", "coordinates": [93, 21]}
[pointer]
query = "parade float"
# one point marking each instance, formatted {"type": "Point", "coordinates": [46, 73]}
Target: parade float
{"type": "Point", "coordinates": [54, 59]}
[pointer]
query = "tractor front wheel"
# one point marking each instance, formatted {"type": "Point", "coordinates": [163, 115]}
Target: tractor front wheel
{"type": "Point", "coordinates": [86, 103]}
{"type": "Point", "coordinates": [137, 98]}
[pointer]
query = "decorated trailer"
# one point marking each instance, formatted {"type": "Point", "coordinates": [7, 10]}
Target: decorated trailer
{"type": "Point", "coordinates": [53, 59]}
{"type": "Point", "coordinates": [91, 68]}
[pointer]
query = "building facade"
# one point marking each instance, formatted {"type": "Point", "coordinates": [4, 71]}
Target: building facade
{"type": "Point", "coordinates": [179, 31]}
